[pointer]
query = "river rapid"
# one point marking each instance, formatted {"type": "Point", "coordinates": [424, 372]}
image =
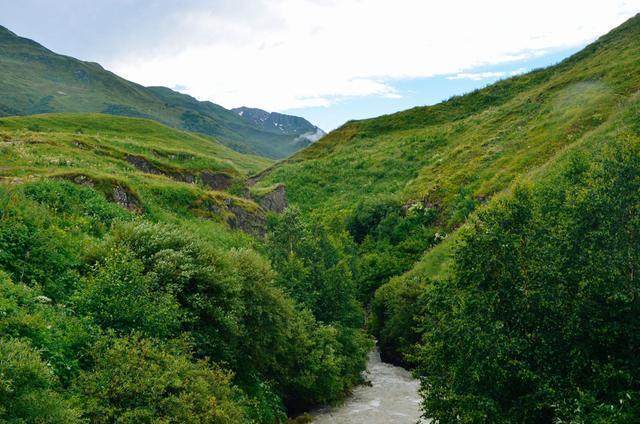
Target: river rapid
{"type": "Point", "coordinates": [392, 397]}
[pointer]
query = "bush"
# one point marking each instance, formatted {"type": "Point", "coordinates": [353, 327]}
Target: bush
{"type": "Point", "coordinates": [540, 321]}
{"type": "Point", "coordinates": [54, 330]}
{"type": "Point", "coordinates": [313, 269]}
{"type": "Point", "coordinates": [34, 250]}
{"type": "Point", "coordinates": [118, 296]}
{"type": "Point", "coordinates": [236, 316]}
{"type": "Point", "coordinates": [83, 271]}
{"type": "Point", "coordinates": [390, 239]}
{"type": "Point", "coordinates": [394, 317]}
{"type": "Point", "coordinates": [136, 380]}
{"type": "Point", "coordinates": [28, 387]}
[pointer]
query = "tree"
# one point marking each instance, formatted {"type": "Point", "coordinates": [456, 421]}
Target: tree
{"type": "Point", "coordinates": [540, 321]}
{"type": "Point", "coordinates": [313, 270]}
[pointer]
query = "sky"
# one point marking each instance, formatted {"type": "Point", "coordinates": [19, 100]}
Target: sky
{"type": "Point", "coordinates": [326, 60]}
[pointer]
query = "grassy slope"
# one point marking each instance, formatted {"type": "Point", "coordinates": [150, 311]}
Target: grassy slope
{"type": "Point", "coordinates": [97, 146]}
{"type": "Point", "coordinates": [36, 80]}
{"type": "Point", "coordinates": [623, 125]}
{"type": "Point", "coordinates": [456, 155]}
{"type": "Point", "coordinates": [63, 219]}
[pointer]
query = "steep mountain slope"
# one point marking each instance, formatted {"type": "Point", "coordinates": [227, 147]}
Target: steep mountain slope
{"type": "Point", "coordinates": [403, 183]}
{"type": "Point", "coordinates": [303, 131]}
{"type": "Point", "coordinates": [36, 80]}
{"type": "Point", "coordinates": [531, 322]}
{"type": "Point", "coordinates": [455, 155]}
{"type": "Point", "coordinates": [496, 238]}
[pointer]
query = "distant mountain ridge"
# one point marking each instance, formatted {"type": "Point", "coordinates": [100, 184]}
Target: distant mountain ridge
{"type": "Point", "coordinates": [36, 80]}
{"type": "Point", "coordinates": [282, 124]}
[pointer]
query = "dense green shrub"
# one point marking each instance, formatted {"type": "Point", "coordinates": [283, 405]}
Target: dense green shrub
{"type": "Point", "coordinates": [368, 215]}
{"type": "Point", "coordinates": [313, 268]}
{"type": "Point", "coordinates": [539, 322]}
{"type": "Point", "coordinates": [136, 380]}
{"type": "Point", "coordinates": [390, 238]}
{"type": "Point", "coordinates": [233, 311]}
{"type": "Point", "coordinates": [394, 316]}
{"type": "Point", "coordinates": [75, 207]}
{"type": "Point", "coordinates": [43, 227]}
{"type": "Point", "coordinates": [59, 335]}
{"type": "Point", "coordinates": [85, 272]}
{"type": "Point", "coordinates": [28, 387]}
{"type": "Point", "coordinates": [34, 250]}
{"type": "Point", "coordinates": [119, 296]}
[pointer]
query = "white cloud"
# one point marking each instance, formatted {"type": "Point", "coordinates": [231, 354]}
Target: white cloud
{"type": "Point", "coordinates": [518, 71]}
{"type": "Point", "coordinates": [281, 54]}
{"type": "Point", "coordinates": [479, 76]}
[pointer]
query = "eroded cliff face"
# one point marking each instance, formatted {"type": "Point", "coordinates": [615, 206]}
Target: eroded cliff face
{"type": "Point", "coordinates": [237, 213]}
{"type": "Point", "coordinates": [275, 200]}
{"type": "Point", "coordinates": [114, 190]}
{"type": "Point", "coordinates": [215, 180]}
{"type": "Point", "coordinates": [245, 211]}
{"type": "Point", "coordinates": [251, 222]}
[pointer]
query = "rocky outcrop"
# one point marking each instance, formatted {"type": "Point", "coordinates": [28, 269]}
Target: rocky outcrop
{"type": "Point", "coordinates": [82, 180]}
{"type": "Point", "coordinates": [238, 213]}
{"type": "Point", "coordinates": [124, 197]}
{"type": "Point", "coordinates": [114, 190]}
{"type": "Point", "coordinates": [216, 180]}
{"type": "Point", "coordinates": [251, 222]}
{"type": "Point", "coordinates": [148, 167]}
{"type": "Point", "coordinates": [143, 165]}
{"type": "Point", "coordinates": [275, 200]}
{"type": "Point", "coordinates": [251, 181]}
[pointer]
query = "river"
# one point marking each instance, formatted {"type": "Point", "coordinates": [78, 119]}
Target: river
{"type": "Point", "coordinates": [392, 397]}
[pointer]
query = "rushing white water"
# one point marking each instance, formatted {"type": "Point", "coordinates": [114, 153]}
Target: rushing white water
{"type": "Point", "coordinates": [392, 397]}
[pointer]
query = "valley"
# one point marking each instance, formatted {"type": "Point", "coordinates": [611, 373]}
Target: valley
{"type": "Point", "coordinates": [164, 259]}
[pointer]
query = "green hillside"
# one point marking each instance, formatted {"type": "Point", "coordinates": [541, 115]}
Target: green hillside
{"type": "Point", "coordinates": [453, 157]}
{"type": "Point", "coordinates": [536, 294]}
{"type": "Point", "coordinates": [141, 277]}
{"type": "Point", "coordinates": [490, 243]}
{"type": "Point", "coordinates": [148, 161]}
{"type": "Point", "coordinates": [496, 237]}
{"type": "Point", "coordinates": [36, 80]}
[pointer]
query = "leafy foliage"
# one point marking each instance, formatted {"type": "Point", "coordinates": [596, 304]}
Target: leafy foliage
{"type": "Point", "coordinates": [135, 380]}
{"type": "Point", "coordinates": [538, 321]}
{"type": "Point", "coordinates": [390, 238]}
{"type": "Point", "coordinates": [119, 296]}
{"type": "Point", "coordinates": [314, 269]}
{"type": "Point", "coordinates": [27, 387]}
{"type": "Point", "coordinates": [210, 334]}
